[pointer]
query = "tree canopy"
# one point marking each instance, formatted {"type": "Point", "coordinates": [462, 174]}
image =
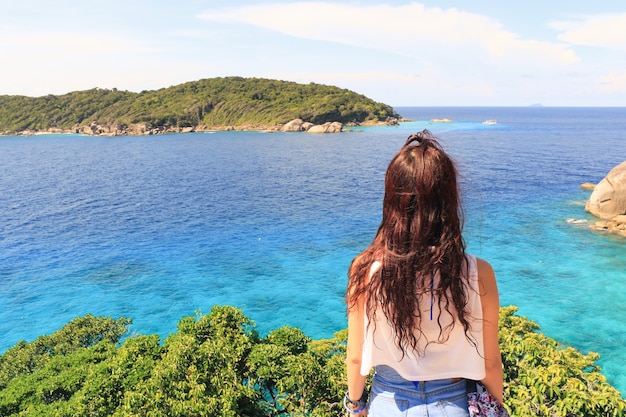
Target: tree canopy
{"type": "Point", "coordinates": [230, 101]}
{"type": "Point", "coordinates": [217, 365]}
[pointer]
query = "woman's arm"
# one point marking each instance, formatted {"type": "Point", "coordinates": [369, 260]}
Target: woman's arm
{"type": "Point", "coordinates": [356, 381]}
{"type": "Point", "coordinates": [491, 308]}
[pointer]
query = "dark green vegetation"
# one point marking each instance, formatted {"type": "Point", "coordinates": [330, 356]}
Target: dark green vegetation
{"type": "Point", "coordinates": [217, 365]}
{"type": "Point", "coordinates": [231, 101]}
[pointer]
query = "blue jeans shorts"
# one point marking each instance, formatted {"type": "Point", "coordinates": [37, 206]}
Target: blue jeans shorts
{"type": "Point", "coordinates": [393, 396]}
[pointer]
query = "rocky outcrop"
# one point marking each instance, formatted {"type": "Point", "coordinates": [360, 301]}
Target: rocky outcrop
{"type": "Point", "coordinates": [328, 127]}
{"type": "Point", "coordinates": [138, 129]}
{"type": "Point", "coordinates": [608, 198]}
{"type": "Point", "coordinates": [119, 129]}
{"type": "Point", "coordinates": [110, 129]}
{"type": "Point", "coordinates": [616, 226]}
{"type": "Point", "coordinates": [389, 121]}
{"type": "Point", "coordinates": [296, 125]}
{"type": "Point", "coordinates": [608, 202]}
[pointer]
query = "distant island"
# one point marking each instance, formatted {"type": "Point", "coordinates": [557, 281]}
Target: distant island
{"type": "Point", "coordinates": [229, 103]}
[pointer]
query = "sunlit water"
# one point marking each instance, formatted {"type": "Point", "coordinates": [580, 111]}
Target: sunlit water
{"type": "Point", "coordinates": [156, 228]}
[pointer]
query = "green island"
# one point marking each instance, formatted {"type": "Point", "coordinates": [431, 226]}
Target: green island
{"type": "Point", "coordinates": [218, 365]}
{"type": "Point", "coordinates": [230, 103]}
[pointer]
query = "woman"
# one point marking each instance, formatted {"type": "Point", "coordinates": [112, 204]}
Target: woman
{"type": "Point", "coordinates": [421, 311]}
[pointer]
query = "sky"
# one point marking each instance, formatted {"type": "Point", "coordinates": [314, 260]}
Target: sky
{"type": "Point", "coordinates": [401, 53]}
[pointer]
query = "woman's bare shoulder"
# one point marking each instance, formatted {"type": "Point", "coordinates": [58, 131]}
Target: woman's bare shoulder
{"type": "Point", "coordinates": [486, 275]}
{"type": "Point", "coordinates": [483, 266]}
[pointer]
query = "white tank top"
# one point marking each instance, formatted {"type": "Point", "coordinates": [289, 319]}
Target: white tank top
{"type": "Point", "coordinates": [456, 357]}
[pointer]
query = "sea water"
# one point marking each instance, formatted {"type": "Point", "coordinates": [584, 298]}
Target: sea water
{"type": "Point", "coordinates": [156, 228]}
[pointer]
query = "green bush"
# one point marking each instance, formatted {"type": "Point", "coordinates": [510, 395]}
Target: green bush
{"type": "Point", "coordinates": [217, 365]}
{"type": "Point", "coordinates": [545, 379]}
{"type": "Point", "coordinates": [26, 358]}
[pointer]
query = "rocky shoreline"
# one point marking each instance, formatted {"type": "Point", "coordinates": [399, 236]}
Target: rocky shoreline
{"type": "Point", "coordinates": [608, 202]}
{"type": "Point", "coordinates": [616, 226]}
{"type": "Point", "coordinates": [141, 129]}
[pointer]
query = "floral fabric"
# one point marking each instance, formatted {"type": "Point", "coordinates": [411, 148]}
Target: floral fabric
{"type": "Point", "coordinates": [481, 403]}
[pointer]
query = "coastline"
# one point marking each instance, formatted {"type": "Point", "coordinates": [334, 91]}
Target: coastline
{"type": "Point", "coordinates": [141, 129]}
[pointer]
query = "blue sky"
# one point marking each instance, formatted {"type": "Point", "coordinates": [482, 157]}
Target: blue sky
{"type": "Point", "coordinates": [423, 53]}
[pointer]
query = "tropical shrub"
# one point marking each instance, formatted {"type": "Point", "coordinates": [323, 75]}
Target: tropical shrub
{"type": "Point", "coordinates": [217, 365]}
{"type": "Point", "coordinates": [543, 378]}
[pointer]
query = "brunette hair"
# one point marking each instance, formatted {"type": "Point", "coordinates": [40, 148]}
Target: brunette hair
{"type": "Point", "coordinates": [419, 237]}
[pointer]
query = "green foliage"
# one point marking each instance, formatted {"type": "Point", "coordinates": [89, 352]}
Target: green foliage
{"type": "Point", "coordinates": [123, 371]}
{"type": "Point", "coordinates": [544, 379]}
{"type": "Point", "coordinates": [44, 375]}
{"type": "Point", "coordinates": [26, 358]}
{"type": "Point", "coordinates": [231, 101]}
{"type": "Point", "coordinates": [201, 371]}
{"type": "Point", "coordinates": [217, 365]}
{"type": "Point", "coordinates": [296, 376]}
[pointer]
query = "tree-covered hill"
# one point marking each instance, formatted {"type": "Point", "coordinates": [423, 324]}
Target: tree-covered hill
{"type": "Point", "coordinates": [230, 101]}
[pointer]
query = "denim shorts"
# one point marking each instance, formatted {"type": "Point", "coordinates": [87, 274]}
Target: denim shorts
{"type": "Point", "coordinates": [393, 396]}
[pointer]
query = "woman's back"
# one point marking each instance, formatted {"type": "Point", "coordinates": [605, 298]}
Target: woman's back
{"type": "Point", "coordinates": [444, 350]}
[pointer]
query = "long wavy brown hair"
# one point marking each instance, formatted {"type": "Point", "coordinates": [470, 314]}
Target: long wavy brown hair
{"type": "Point", "coordinates": [419, 237]}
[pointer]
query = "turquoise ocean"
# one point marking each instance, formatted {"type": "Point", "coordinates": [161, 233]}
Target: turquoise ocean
{"type": "Point", "coordinates": [156, 228]}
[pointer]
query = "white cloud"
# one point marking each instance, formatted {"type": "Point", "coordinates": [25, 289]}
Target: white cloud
{"type": "Point", "coordinates": [56, 62]}
{"type": "Point", "coordinates": [62, 44]}
{"type": "Point", "coordinates": [604, 30]}
{"type": "Point", "coordinates": [402, 29]}
{"type": "Point", "coordinates": [402, 54]}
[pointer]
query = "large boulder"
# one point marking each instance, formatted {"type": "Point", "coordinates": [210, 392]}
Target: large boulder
{"type": "Point", "coordinates": [137, 129]}
{"type": "Point", "coordinates": [298, 125]}
{"type": "Point", "coordinates": [293, 126]}
{"type": "Point", "coordinates": [328, 127]}
{"type": "Point", "coordinates": [608, 198]}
